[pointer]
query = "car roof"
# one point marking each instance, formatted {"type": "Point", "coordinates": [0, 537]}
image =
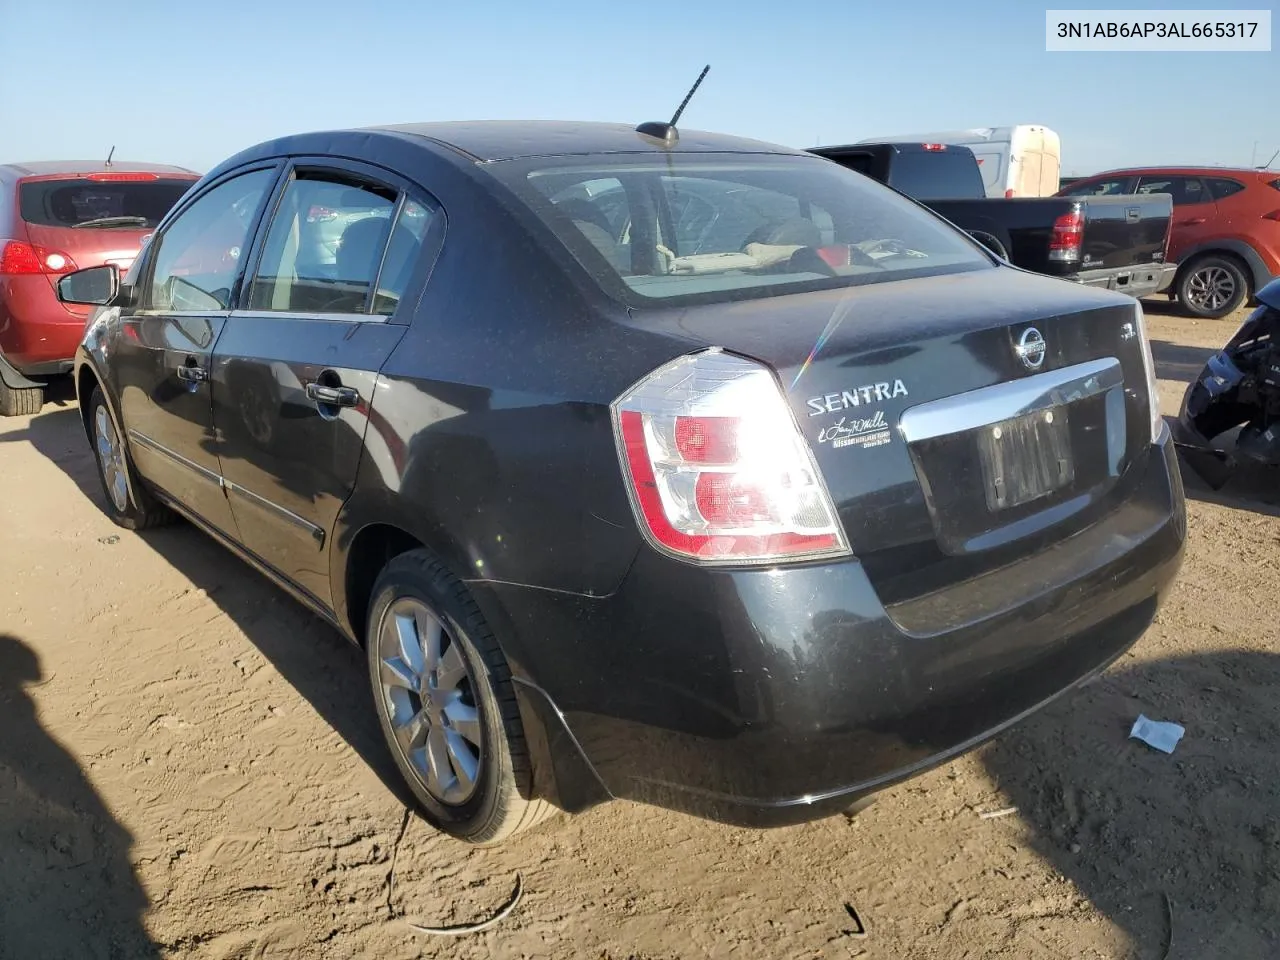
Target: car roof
{"type": "Point", "coordinates": [65, 168]}
{"type": "Point", "coordinates": [902, 146]}
{"type": "Point", "coordinates": [1204, 171]}
{"type": "Point", "coordinates": [490, 140]}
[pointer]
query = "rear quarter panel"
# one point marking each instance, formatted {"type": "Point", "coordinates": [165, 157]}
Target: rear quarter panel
{"type": "Point", "coordinates": [491, 439]}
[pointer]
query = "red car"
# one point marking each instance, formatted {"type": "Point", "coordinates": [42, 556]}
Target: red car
{"type": "Point", "coordinates": [56, 218]}
{"type": "Point", "coordinates": [1225, 235]}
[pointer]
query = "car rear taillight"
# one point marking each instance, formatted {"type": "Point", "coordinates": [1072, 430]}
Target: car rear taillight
{"type": "Point", "coordinates": [1068, 233]}
{"type": "Point", "coordinates": [934, 147]}
{"type": "Point", "coordinates": [1010, 194]}
{"type": "Point", "coordinates": [17, 257]}
{"type": "Point", "coordinates": [717, 469]}
{"type": "Point", "coordinates": [121, 177]}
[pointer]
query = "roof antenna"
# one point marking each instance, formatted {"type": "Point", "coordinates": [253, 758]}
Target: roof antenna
{"type": "Point", "coordinates": [1267, 165]}
{"type": "Point", "coordinates": [667, 132]}
{"type": "Point", "coordinates": [110, 155]}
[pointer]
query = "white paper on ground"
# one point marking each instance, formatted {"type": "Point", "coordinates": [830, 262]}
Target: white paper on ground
{"type": "Point", "coordinates": [1156, 733]}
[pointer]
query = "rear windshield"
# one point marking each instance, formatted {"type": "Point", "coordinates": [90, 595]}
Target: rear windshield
{"type": "Point", "coordinates": [713, 227]}
{"type": "Point", "coordinates": [937, 175]}
{"type": "Point", "coordinates": [98, 204]}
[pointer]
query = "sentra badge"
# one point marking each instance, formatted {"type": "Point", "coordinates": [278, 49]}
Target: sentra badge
{"type": "Point", "coordinates": [867, 393]}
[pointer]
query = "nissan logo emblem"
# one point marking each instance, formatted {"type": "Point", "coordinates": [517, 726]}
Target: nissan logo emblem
{"type": "Point", "coordinates": [1031, 348]}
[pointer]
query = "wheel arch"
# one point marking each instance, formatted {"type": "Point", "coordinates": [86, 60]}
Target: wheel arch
{"type": "Point", "coordinates": [371, 548]}
{"type": "Point", "coordinates": [1255, 269]}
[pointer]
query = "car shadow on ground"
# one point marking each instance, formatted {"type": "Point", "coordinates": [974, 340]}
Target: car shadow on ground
{"type": "Point", "coordinates": [67, 884]}
{"type": "Point", "coordinates": [327, 670]}
{"type": "Point", "coordinates": [1130, 826]}
{"type": "Point", "coordinates": [1177, 362]}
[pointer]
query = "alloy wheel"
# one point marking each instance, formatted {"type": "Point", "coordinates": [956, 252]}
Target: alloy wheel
{"type": "Point", "coordinates": [1211, 288]}
{"type": "Point", "coordinates": [111, 459]}
{"type": "Point", "coordinates": [428, 698]}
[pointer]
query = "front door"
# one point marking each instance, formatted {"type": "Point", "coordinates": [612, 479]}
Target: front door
{"type": "Point", "coordinates": [163, 352]}
{"type": "Point", "coordinates": [295, 369]}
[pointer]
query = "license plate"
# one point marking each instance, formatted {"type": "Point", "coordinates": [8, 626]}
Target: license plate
{"type": "Point", "coordinates": [1026, 458]}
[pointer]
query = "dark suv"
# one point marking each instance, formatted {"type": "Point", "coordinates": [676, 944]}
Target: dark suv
{"type": "Point", "coordinates": [54, 219]}
{"type": "Point", "coordinates": [1225, 236]}
{"type": "Point", "coordinates": [680, 468]}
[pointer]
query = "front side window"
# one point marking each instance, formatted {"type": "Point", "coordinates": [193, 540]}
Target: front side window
{"type": "Point", "coordinates": [1101, 188]}
{"type": "Point", "coordinates": [720, 227]}
{"type": "Point", "coordinates": [197, 257]}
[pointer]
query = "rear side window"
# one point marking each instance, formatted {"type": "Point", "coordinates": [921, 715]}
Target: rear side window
{"type": "Point", "coordinates": [1222, 187]}
{"type": "Point", "coordinates": [331, 240]}
{"type": "Point", "coordinates": [99, 203]}
{"type": "Point", "coordinates": [1184, 190]}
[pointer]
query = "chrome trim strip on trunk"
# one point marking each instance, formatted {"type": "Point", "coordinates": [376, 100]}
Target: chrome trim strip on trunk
{"type": "Point", "coordinates": [203, 472]}
{"type": "Point", "coordinates": [316, 533]}
{"type": "Point", "coordinates": [1013, 398]}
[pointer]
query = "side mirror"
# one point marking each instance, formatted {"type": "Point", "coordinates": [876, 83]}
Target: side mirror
{"type": "Point", "coordinates": [93, 286]}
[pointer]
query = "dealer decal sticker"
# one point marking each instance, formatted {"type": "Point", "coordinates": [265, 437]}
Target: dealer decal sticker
{"type": "Point", "coordinates": [865, 432]}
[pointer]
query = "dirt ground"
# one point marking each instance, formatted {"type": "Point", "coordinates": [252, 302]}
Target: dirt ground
{"type": "Point", "coordinates": [190, 767]}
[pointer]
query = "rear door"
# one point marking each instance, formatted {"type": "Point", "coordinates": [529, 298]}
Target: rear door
{"type": "Point", "coordinates": [160, 356]}
{"type": "Point", "coordinates": [1194, 210]}
{"type": "Point", "coordinates": [296, 365]}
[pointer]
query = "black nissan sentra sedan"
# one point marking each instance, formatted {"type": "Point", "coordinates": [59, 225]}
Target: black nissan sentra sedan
{"type": "Point", "coordinates": [684, 469]}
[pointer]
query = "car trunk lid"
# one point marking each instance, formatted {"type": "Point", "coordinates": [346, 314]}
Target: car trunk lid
{"type": "Point", "coordinates": [945, 452]}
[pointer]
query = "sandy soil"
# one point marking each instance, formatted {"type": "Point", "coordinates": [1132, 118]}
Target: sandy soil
{"type": "Point", "coordinates": [189, 766]}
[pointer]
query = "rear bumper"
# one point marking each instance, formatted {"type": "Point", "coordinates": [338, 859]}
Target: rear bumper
{"type": "Point", "coordinates": [1140, 281]}
{"type": "Point", "coordinates": [38, 334]}
{"type": "Point", "coordinates": [767, 697]}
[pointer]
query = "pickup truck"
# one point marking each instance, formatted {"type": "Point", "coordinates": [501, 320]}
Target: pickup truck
{"type": "Point", "coordinates": [1117, 243]}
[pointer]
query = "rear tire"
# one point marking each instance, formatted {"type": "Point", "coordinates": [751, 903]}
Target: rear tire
{"type": "Point", "coordinates": [20, 402]}
{"type": "Point", "coordinates": [447, 706]}
{"type": "Point", "coordinates": [1212, 286]}
{"type": "Point", "coordinates": [129, 504]}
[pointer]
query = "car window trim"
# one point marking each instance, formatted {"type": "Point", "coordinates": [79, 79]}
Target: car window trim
{"type": "Point", "coordinates": [351, 169]}
{"type": "Point", "coordinates": [157, 239]}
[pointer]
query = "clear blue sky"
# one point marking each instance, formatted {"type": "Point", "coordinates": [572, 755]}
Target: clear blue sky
{"type": "Point", "coordinates": [193, 82]}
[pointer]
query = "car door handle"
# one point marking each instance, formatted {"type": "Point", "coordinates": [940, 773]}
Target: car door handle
{"type": "Point", "coordinates": [192, 374]}
{"type": "Point", "coordinates": [333, 396]}
{"type": "Point", "coordinates": [1194, 221]}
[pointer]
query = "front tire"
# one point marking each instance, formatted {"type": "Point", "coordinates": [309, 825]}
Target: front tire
{"type": "Point", "coordinates": [446, 704]}
{"type": "Point", "coordinates": [1212, 286]}
{"type": "Point", "coordinates": [129, 504]}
